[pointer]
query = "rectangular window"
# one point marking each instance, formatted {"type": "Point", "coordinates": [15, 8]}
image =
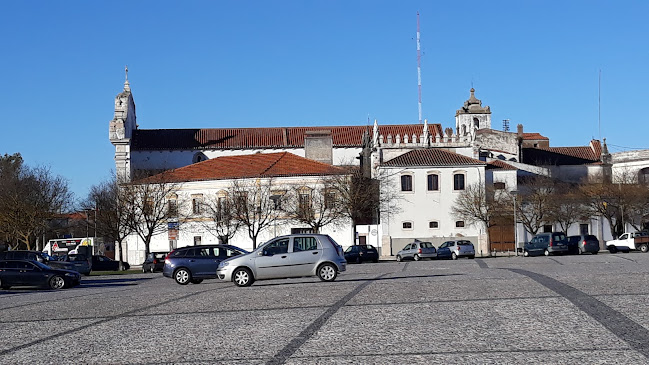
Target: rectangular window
{"type": "Point", "coordinates": [499, 186]}
{"type": "Point", "coordinates": [406, 182]}
{"type": "Point", "coordinates": [197, 240]}
{"type": "Point", "coordinates": [304, 244]}
{"type": "Point", "coordinates": [433, 182]}
{"type": "Point", "coordinates": [407, 225]}
{"type": "Point", "coordinates": [277, 201]}
{"type": "Point", "coordinates": [196, 206]}
{"type": "Point", "coordinates": [304, 205]}
{"type": "Point", "coordinates": [459, 224]}
{"type": "Point", "coordinates": [583, 228]}
{"type": "Point", "coordinates": [547, 228]}
{"type": "Point", "coordinates": [330, 200]}
{"type": "Point", "coordinates": [433, 224]}
{"type": "Point", "coordinates": [458, 182]}
{"type": "Point", "coordinates": [172, 208]}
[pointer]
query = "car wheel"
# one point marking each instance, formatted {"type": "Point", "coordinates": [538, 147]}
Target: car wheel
{"type": "Point", "coordinates": [644, 248]}
{"type": "Point", "coordinates": [399, 259]}
{"type": "Point", "coordinates": [242, 277]}
{"type": "Point", "coordinates": [327, 272]}
{"type": "Point", "coordinates": [4, 286]}
{"type": "Point", "coordinates": [182, 276]}
{"type": "Point", "coordinates": [594, 252]}
{"type": "Point", "coordinates": [197, 281]}
{"type": "Point", "coordinates": [375, 261]}
{"type": "Point", "coordinates": [471, 257]}
{"type": "Point", "coordinates": [546, 252]}
{"type": "Point", "coordinates": [56, 282]}
{"type": "Point", "coordinates": [416, 257]}
{"type": "Point", "coordinates": [143, 270]}
{"type": "Point", "coordinates": [526, 253]}
{"type": "Point", "coordinates": [454, 256]}
{"type": "Point", "coordinates": [152, 268]}
{"type": "Point", "coordinates": [612, 249]}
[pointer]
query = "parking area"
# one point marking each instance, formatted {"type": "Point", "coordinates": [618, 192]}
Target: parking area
{"type": "Point", "coordinates": [557, 309]}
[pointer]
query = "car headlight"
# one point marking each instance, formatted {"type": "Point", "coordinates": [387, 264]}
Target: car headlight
{"type": "Point", "coordinates": [223, 264]}
{"type": "Point", "coordinates": [70, 274]}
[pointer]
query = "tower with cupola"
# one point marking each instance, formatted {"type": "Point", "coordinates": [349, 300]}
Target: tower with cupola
{"type": "Point", "coordinates": [472, 116]}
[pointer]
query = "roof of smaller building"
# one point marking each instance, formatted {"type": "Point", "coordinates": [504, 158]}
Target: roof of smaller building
{"type": "Point", "coordinates": [534, 136]}
{"type": "Point", "coordinates": [500, 165]}
{"type": "Point", "coordinates": [281, 164]}
{"type": "Point", "coordinates": [564, 155]}
{"type": "Point", "coordinates": [432, 157]}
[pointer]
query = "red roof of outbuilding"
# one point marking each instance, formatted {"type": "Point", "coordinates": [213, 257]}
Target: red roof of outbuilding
{"type": "Point", "coordinates": [432, 157]}
{"type": "Point", "coordinates": [280, 164]}
{"type": "Point", "coordinates": [534, 136]}
{"type": "Point", "coordinates": [239, 138]}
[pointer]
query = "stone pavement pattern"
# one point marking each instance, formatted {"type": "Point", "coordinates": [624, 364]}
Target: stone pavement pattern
{"type": "Point", "coordinates": [557, 310]}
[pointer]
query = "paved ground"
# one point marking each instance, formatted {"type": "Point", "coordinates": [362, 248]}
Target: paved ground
{"type": "Point", "coordinates": [566, 309]}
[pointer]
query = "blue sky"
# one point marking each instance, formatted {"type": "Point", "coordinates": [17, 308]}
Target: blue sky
{"type": "Point", "coordinates": [220, 64]}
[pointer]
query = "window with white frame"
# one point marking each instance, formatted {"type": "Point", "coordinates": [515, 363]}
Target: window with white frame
{"type": "Point", "coordinates": [433, 182]}
{"type": "Point", "coordinates": [459, 224]}
{"type": "Point", "coordinates": [197, 202]}
{"type": "Point", "coordinates": [458, 181]}
{"type": "Point", "coordinates": [433, 224]}
{"type": "Point", "coordinates": [406, 225]}
{"type": "Point", "coordinates": [406, 182]}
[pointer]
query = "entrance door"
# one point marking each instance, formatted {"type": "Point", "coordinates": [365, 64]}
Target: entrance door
{"type": "Point", "coordinates": [501, 237]}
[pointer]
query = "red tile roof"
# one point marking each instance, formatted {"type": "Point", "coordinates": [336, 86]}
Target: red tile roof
{"type": "Point", "coordinates": [500, 165]}
{"type": "Point", "coordinates": [534, 136]}
{"type": "Point", "coordinates": [432, 157]}
{"type": "Point", "coordinates": [248, 166]}
{"type": "Point", "coordinates": [239, 138]}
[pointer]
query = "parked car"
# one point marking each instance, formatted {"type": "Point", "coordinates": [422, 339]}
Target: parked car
{"type": "Point", "coordinates": [416, 251]}
{"type": "Point", "coordinates": [548, 243]}
{"type": "Point", "coordinates": [103, 263]}
{"type": "Point", "coordinates": [155, 261]}
{"type": "Point", "coordinates": [456, 249]}
{"type": "Point", "coordinates": [361, 253]}
{"type": "Point", "coordinates": [35, 273]}
{"type": "Point", "coordinates": [39, 256]}
{"type": "Point", "coordinates": [583, 243]}
{"type": "Point", "coordinates": [81, 262]}
{"type": "Point", "coordinates": [192, 264]}
{"type": "Point", "coordinates": [286, 256]}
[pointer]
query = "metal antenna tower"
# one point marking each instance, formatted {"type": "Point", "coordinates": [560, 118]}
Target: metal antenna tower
{"type": "Point", "coordinates": [419, 68]}
{"type": "Point", "coordinates": [506, 125]}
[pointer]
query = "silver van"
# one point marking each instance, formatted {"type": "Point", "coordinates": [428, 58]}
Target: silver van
{"type": "Point", "coordinates": [416, 251]}
{"type": "Point", "coordinates": [284, 257]}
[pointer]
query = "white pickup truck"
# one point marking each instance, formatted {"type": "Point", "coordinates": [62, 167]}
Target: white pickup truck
{"type": "Point", "coordinates": [629, 241]}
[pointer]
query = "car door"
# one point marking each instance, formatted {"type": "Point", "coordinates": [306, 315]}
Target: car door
{"type": "Point", "coordinates": [29, 274]}
{"type": "Point", "coordinates": [203, 262]}
{"type": "Point", "coordinates": [305, 255]}
{"type": "Point", "coordinates": [273, 260]}
{"type": "Point", "coordinates": [407, 251]}
{"type": "Point", "coordinates": [443, 250]}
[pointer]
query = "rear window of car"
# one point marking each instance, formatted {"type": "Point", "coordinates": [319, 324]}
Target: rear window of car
{"type": "Point", "coordinates": [178, 253]}
{"type": "Point", "coordinates": [573, 239]}
{"type": "Point", "coordinates": [591, 237]}
{"type": "Point", "coordinates": [559, 237]}
{"type": "Point", "coordinates": [464, 243]}
{"type": "Point", "coordinates": [426, 245]}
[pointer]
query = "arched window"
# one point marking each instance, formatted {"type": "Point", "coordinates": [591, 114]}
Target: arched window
{"type": "Point", "coordinates": [458, 181]}
{"type": "Point", "coordinates": [476, 123]}
{"type": "Point", "coordinates": [433, 182]}
{"type": "Point", "coordinates": [643, 176]}
{"type": "Point", "coordinates": [198, 157]}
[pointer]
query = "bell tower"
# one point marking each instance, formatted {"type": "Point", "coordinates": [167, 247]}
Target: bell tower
{"type": "Point", "coordinates": [120, 131]}
{"type": "Point", "coordinates": [472, 116]}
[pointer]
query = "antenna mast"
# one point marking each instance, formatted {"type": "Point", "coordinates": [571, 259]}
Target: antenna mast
{"type": "Point", "coordinates": [599, 107]}
{"type": "Point", "coordinates": [419, 68]}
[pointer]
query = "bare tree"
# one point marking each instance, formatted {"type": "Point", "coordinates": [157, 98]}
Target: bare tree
{"type": "Point", "coordinates": [29, 197]}
{"type": "Point", "coordinates": [114, 211]}
{"type": "Point", "coordinates": [221, 217]}
{"type": "Point", "coordinates": [481, 204]}
{"type": "Point", "coordinates": [150, 207]}
{"type": "Point", "coordinates": [535, 198]}
{"type": "Point", "coordinates": [253, 206]}
{"type": "Point", "coordinates": [316, 206]}
{"type": "Point", "coordinates": [567, 206]}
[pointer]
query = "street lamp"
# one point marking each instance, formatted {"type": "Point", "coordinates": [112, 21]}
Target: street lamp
{"type": "Point", "coordinates": [514, 192]}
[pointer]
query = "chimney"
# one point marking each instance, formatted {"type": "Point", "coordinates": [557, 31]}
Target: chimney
{"type": "Point", "coordinates": [318, 146]}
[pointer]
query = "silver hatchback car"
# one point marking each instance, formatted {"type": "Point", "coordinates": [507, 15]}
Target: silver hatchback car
{"type": "Point", "coordinates": [417, 250]}
{"type": "Point", "coordinates": [284, 257]}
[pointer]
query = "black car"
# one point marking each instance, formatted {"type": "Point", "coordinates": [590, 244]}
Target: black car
{"type": "Point", "coordinates": [361, 253]}
{"type": "Point", "coordinates": [103, 263]}
{"type": "Point", "coordinates": [39, 256]}
{"type": "Point", "coordinates": [195, 263]}
{"type": "Point", "coordinates": [34, 273]}
{"type": "Point", "coordinates": [155, 261]}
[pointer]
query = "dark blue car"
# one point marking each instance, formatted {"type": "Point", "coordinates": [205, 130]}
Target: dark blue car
{"type": "Point", "coordinates": [195, 263]}
{"type": "Point", "coordinates": [361, 253]}
{"type": "Point", "coordinates": [34, 273]}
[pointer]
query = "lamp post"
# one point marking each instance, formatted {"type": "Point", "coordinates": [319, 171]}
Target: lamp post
{"type": "Point", "coordinates": [514, 192]}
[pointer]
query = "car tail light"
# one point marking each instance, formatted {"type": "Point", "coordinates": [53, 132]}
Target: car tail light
{"type": "Point", "coordinates": [550, 242]}
{"type": "Point", "coordinates": [155, 261]}
{"type": "Point", "coordinates": [169, 254]}
{"type": "Point", "coordinates": [419, 251]}
{"type": "Point", "coordinates": [584, 242]}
